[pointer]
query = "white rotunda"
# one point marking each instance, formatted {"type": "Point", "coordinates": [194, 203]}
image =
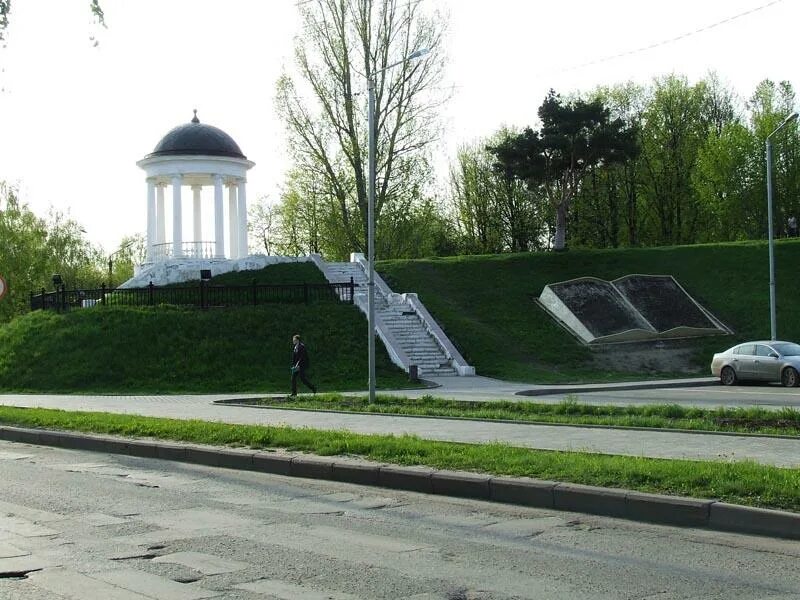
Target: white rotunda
{"type": "Point", "coordinates": [196, 155]}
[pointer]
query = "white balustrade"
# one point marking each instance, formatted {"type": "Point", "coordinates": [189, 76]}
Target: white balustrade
{"type": "Point", "coordinates": [203, 250]}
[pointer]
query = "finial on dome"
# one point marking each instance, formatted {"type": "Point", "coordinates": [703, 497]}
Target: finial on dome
{"type": "Point", "coordinates": [194, 118]}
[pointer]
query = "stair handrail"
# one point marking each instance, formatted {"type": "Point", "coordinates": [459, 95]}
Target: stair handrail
{"type": "Point", "coordinates": [412, 300]}
{"type": "Point", "coordinates": [437, 333]}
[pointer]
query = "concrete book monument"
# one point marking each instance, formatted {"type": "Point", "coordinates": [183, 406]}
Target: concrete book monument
{"type": "Point", "coordinates": [631, 308]}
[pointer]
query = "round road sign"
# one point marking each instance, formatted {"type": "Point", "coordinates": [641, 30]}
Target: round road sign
{"type": "Point", "coordinates": [3, 287]}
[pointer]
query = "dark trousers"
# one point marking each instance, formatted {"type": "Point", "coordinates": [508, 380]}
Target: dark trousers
{"type": "Point", "coordinates": [302, 375]}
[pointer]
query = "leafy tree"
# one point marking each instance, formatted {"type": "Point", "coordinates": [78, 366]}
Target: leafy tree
{"type": "Point", "coordinates": [5, 11]}
{"type": "Point", "coordinates": [770, 104]}
{"type": "Point", "coordinates": [325, 107]}
{"type": "Point", "coordinates": [24, 265]}
{"type": "Point", "coordinates": [730, 175]}
{"type": "Point", "coordinates": [495, 211]}
{"type": "Point", "coordinates": [303, 218]}
{"type": "Point", "coordinates": [471, 182]}
{"type": "Point", "coordinates": [132, 250]}
{"type": "Point", "coordinates": [724, 180]}
{"type": "Point", "coordinates": [262, 224]}
{"type": "Point", "coordinates": [34, 248]}
{"type": "Point", "coordinates": [574, 136]}
{"type": "Point", "coordinates": [607, 211]}
{"type": "Point", "coordinates": [672, 134]}
{"type": "Point", "coordinates": [416, 228]}
{"type": "Point", "coordinates": [75, 258]}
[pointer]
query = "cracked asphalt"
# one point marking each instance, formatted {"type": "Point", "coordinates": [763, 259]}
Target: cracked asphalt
{"type": "Point", "coordinates": [86, 525]}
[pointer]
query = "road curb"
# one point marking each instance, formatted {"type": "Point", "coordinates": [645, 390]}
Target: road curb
{"type": "Point", "coordinates": [619, 503]}
{"type": "Point", "coordinates": [623, 387]}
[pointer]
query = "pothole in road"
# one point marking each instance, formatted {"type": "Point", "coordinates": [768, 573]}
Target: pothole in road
{"type": "Point", "coordinates": [17, 575]}
{"type": "Point", "coordinates": [135, 557]}
{"type": "Point", "coordinates": [185, 579]}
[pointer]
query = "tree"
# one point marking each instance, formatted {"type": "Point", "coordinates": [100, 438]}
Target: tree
{"type": "Point", "coordinates": [471, 179]}
{"type": "Point", "coordinates": [304, 216]}
{"type": "Point", "coordinates": [769, 105]}
{"type": "Point", "coordinates": [262, 224]}
{"type": "Point", "coordinates": [5, 11]}
{"type": "Point", "coordinates": [495, 211]}
{"type": "Point", "coordinates": [131, 251]}
{"type": "Point", "coordinates": [71, 254]}
{"type": "Point", "coordinates": [607, 209]}
{"type": "Point", "coordinates": [723, 180]}
{"type": "Point", "coordinates": [574, 137]}
{"type": "Point", "coordinates": [672, 133]}
{"type": "Point", "coordinates": [34, 248]}
{"type": "Point", "coordinates": [24, 265]}
{"type": "Point", "coordinates": [325, 107]}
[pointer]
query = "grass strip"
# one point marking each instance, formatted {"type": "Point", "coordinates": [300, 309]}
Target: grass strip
{"type": "Point", "coordinates": [785, 421]}
{"type": "Point", "coordinates": [738, 482]}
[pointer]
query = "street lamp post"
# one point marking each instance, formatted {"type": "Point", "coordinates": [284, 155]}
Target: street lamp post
{"type": "Point", "coordinates": [371, 143]}
{"type": "Point", "coordinates": [773, 327]}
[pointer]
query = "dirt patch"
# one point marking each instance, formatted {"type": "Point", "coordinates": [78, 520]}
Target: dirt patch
{"type": "Point", "coordinates": [668, 356]}
{"type": "Point", "coordinates": [662, 302]}
{"type": "Point", "coordinates": [599, 306]}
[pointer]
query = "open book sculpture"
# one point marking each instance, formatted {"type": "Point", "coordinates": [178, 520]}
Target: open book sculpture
{"type": "Point", "coordinates": [631, 308]}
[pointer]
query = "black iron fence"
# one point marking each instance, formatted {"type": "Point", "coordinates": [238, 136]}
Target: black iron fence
{"type": "Point", "coordinates": [199, 296]}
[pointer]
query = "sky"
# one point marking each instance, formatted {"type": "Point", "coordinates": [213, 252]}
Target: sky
{"type": "Point", "coordinates": [75, 116]}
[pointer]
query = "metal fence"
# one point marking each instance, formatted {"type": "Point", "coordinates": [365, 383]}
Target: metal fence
{"type": "Point", "coordinates": [199, 296]}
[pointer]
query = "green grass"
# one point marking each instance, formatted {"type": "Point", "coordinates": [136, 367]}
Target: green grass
{"type": "Point", "coordinates": [486, 303]}
{"type": "Point", "coordinates": [740, 482]}
{"type": "Point", "coordinates": [278, 274]}
{"type": "Point", "coordinates": [662, 416]}
{"type": "Point", "coordinates": [118, 349]}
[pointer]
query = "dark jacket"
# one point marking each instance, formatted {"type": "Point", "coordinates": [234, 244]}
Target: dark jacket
{"type": "Point", "coordinates": [300, 356]}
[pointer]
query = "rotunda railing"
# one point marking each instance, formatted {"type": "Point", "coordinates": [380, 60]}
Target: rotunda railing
{"type": "Point", "coordinates": [188, 250]}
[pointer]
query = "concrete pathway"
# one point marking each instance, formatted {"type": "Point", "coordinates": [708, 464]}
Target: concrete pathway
{"type": "Point", "coordinates": [485, 388]}
{"type": "Point", "coordinates": [653, 443]}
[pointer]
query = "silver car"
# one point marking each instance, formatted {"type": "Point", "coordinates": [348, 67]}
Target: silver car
{"type": "Point", "coordinates": [759, 361]}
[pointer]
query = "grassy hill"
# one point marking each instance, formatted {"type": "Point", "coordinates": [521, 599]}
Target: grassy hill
{"type": "Point", "coordinates": [486, 303]}
{"type": "Point", "coordinates": [121, 349]}
{"type": "Point", "coordinates": [279, 274]}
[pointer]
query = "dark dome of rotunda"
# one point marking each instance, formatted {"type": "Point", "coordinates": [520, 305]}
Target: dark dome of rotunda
{"type": "Point", "coordinates": [197, 138]}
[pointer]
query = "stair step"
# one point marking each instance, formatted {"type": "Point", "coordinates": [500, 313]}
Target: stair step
{"type": "Point", "coordinates": [402, 322]}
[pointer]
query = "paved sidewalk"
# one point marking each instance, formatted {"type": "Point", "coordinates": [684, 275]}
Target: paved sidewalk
{"type": "Point", "coordinates": [780, 452]}
{"type": "Point", "coordinates": [485, 388]}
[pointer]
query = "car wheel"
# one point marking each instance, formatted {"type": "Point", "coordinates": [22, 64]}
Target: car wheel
{"type": "Point", "coordinates": [727, 376]}
{"type": "Point", "coordinates": [790, 377]}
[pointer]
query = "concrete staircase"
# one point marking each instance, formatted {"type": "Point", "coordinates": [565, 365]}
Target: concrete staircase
{"type": "Point", "coordinates": [400, 324]}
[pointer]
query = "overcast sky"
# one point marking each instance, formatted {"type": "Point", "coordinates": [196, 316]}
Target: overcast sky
{"type": "Point", "coordinates": [75, 118]}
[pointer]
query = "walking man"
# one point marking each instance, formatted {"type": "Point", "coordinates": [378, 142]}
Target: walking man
{"type": "Point", "coordinates": [792, 226]}
{"type": "Point", "coordinates": [300, 363]}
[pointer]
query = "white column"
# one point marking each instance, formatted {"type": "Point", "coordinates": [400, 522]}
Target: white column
{"type": "Point", "coordinates": [233, 223]}
{"type": "Point", "coordinates": [243, 249]}
{"type": "Point", "coordinates": [198, 222]}
{"type": "Point", "coordinates": [219, 226]}
{"type": "Point", "coordinates": [151, 219]}
{"type": "Point", "coordinates": [177, 217]}
{"type": "Point", "coordinates": [161, 218]}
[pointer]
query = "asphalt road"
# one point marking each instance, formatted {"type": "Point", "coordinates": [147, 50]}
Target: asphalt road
{"type": "Point", "coordinates": [113, 527]}
{"type": "Point", "coordinates": [767, 396]}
